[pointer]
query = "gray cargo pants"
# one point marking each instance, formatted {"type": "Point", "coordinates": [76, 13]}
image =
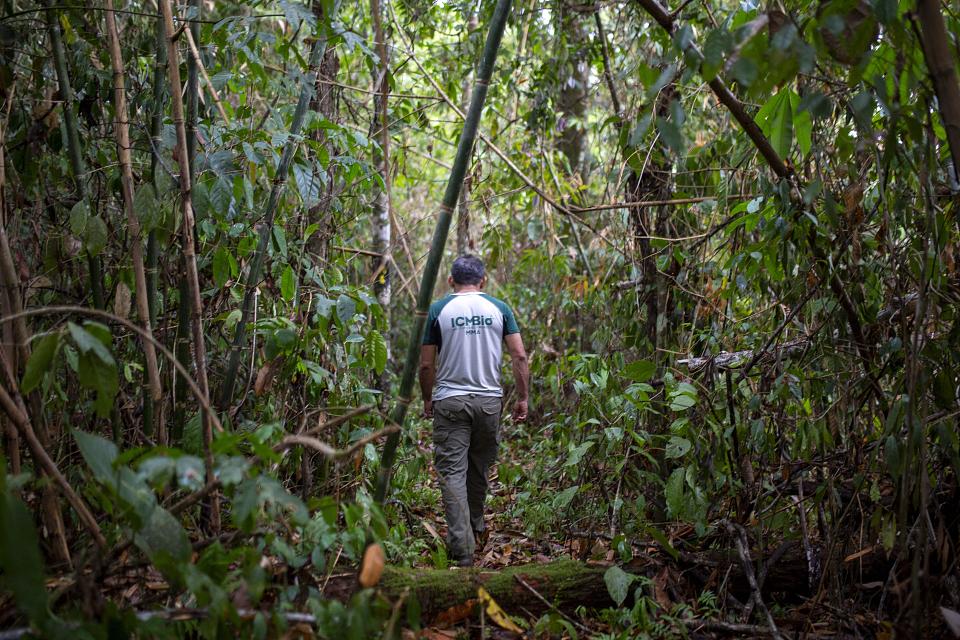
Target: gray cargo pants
{"type": "Point", "coordinates": [466, 432]}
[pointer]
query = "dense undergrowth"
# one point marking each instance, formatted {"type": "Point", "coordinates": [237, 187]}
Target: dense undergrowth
{"type": "Point", "coordinates": [744, 341]}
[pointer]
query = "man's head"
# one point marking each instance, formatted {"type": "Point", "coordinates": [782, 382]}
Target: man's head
{"type": "Point", "coordinates": [467, 271]}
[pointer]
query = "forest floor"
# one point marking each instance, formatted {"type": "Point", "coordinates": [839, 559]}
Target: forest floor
{"type": "Point", "coordinates": [688, 593]}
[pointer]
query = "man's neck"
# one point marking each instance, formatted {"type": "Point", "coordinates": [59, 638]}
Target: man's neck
{"type": "Point", "coordinates": [466, 288]}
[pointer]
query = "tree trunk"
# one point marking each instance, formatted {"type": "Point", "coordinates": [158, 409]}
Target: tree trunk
{"type": "Point", "coordinates": [572, 101]}
{"type": "Point", "coordinates": [939, 56]}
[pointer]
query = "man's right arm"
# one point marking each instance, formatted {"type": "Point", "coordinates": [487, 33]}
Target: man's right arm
{"type": "Point", "coordinates": [521, 374]}
{"type": "Point", "coordinates": [428, 373]}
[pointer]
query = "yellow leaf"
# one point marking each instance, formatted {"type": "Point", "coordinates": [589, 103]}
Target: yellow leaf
{"type": "Point", "coordinates": [496, 614]}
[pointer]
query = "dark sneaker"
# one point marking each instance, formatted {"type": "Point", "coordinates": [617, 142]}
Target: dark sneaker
{"type": "Point", "coordinates": [465, 563]}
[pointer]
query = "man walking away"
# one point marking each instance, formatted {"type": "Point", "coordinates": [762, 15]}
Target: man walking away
{"type": "Point", "coordinates": [460, 382]}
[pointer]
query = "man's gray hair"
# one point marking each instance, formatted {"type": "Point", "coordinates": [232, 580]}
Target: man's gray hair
{"type": "Point", "coordinates": [467, 269]}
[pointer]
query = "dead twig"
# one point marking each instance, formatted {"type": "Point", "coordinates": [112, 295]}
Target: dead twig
{"type": "Point", "coordinates": [743, 549]}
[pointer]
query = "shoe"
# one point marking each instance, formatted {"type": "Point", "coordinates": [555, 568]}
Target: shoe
{"type": "Point", "coordinates": [465, 563]}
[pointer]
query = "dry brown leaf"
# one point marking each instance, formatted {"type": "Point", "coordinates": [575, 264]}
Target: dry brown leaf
{"type": "Point", "coordinates": [456, 613]}
{"type": "Point", "coordinates": [372, 566]}
{"type": "Point", "coordinates": [660, 589]}
{"type": "Point", "coordinates": [430, 529]}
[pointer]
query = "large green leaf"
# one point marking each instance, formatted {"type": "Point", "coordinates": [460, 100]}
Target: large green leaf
{"type": "Point", "coordinates": [99, 454]}
{"type": "Point", "coordinates": [618, 583]}
{"type": "Point", "coordinates": [41, 361]}
{"type": "Point", "coordinates": [776, 120]}
{"type": "Point", "coordinates": [20, 556]}
{"type": "Point", "coordinates": [640, 371]}
{"type": "Point", "coordinates": [162, 537]}
{"type": "Point", "coordinates": [288, 284]}
{"type": "Point", "coordinates": [377, 350]}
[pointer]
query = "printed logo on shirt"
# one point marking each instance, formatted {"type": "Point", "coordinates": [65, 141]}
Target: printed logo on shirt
{"type": "Point", "coordinates": [471, 321]}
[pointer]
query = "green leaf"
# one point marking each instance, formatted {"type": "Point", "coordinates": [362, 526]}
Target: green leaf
{"type": "Point", "coordinates": [280, 240]}
{"type": "Point", "coordinates": [640, 371]}
{"type": "Point", "coordinates": [776, 120]}
{"type": "Point", "coordinates": [20, 557]}
{"type": "Point", "coordinates": [79, 215]}
{"type": "Point", "coordinates": [671, 135]}
{"type": "Point", "coordinates": [147, 208]}
{"type": "Point", "coordinates": [95, 235]}
{"type": "Point", "coordinates": [41, 361]}
{"type": "Point", "coordinates": [99, 454]}
{"type": "Point", "coordinates": [222, 268]}
{"type": "Point", "coordinates": [677, 447]}
{"type": "Point", "coordinates": [288, 284]}
{"type": "Point", "coordinates": [87, 342]}
{"type": "Point", "coordinates": [673, 492]}
{"type": "Point", "coordinates": [618, 583]}
{"type": "Point", "coordinates": [377, 350]}
{"type": "Point", "coordinates": [562, 499]}
{"type": "Point", "coordinates": [162, 536]}
{"type": "Point", "coordinates": [346, 308]}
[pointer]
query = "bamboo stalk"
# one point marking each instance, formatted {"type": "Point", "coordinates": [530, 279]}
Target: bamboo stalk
{"type": "Point", "coordinates": [195, 53]}
{"type": "Point", "coordinates": [74, 152]}
{"type": "Point", "coordinates": [939, 57]}
{"type": "Point", "coordinates": [266, 227]}
{"type": "Point", "coordinates": [189, 249]}
{"type": "Point", "coordinates": [122, 131]}
{"type": "Point", "coordinates": [471, 123]}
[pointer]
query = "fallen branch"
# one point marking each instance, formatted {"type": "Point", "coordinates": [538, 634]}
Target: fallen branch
{"type": "Point", "coordinates": [727, 360]}
{"type": "Point", "coordinates": [327, 450]}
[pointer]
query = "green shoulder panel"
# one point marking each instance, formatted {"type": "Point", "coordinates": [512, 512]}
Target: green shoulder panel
{"type": "Point", "coordinates": [509, 320]}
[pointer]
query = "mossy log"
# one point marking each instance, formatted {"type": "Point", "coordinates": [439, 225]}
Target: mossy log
{"type": "Point", "coordinates": [565, 584]}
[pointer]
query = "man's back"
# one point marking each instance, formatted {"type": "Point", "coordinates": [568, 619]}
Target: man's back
{"type": "Point", "coordinates": [468, 329]}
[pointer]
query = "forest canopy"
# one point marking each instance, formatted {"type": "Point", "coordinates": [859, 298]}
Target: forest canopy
{"type": "Point", "coordinates": [727, 231]}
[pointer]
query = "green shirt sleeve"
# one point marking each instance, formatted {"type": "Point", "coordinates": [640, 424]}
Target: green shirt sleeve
{"type": "Point", "coordinates": [431, 332]}
{"type": "Point", "coordinates": [509, 322]}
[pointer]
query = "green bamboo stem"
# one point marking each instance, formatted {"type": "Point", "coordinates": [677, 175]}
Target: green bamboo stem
{"type": "Point", "coordinates": [74, 152]}
{"type": "Point", "coordinates": [467, 136]}
{"type": "Point", "coordinates": [189, 251]}
{"type": "Point", "coordinates": [266, 227]}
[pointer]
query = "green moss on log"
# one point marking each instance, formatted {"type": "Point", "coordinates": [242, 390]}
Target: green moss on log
{"type": "Point", "coordinates": [561, 582]}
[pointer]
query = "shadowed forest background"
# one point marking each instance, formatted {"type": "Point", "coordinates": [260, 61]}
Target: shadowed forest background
{"type": "Point", "coordinates": [727, 229]}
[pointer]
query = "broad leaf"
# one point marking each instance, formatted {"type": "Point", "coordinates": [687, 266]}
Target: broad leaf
{"type": "Point", "coordinates": [99, 454]}
{"type": "Point", "coordinates": [618, 583]}
{"type": "Point", "coordinates": [41, 361]}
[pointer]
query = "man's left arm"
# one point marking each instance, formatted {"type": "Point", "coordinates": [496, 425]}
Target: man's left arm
{"type": "Point", "coordinates": [521, 374]}
{"type": "Point", "coordinates": [428, 373]}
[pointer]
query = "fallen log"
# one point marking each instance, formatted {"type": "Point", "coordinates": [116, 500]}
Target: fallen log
{"type": "Point", "coordinates": [566, 584]}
